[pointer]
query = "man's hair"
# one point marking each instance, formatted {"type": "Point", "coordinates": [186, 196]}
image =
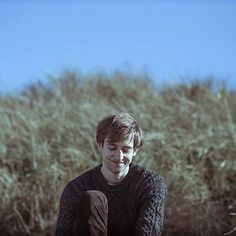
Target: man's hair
{"type": "Point", "coordinates": [118, 127]}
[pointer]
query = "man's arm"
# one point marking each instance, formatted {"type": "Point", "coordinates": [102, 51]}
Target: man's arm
{"type": "Point", "coordinates": [67, 212]}
{"type": "Point", "coordinates": [151, 212]}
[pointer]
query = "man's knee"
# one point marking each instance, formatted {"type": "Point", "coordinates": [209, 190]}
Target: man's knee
{"type": "Point", "coordinates": [97, 199]}
{"type": "Point", "coordinates": [92, 209]}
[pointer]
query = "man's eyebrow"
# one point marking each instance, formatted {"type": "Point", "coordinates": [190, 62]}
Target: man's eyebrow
{"type": "Point", "coordinates": [129, 147]}
{"type": "Point", "coordinates": [115, 145]}
{"type": "Point", "coordinates": [110, 143]}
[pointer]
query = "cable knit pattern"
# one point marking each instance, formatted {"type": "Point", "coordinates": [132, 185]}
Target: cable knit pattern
{"type": "Point", "coordinates": [136, 205]}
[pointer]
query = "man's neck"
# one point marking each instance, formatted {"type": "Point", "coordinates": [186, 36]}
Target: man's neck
{"type": "Point", "coordinates": [113, 178]}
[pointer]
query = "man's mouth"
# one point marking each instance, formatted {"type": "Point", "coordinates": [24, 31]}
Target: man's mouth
{"type": "Point", "coordinates": [117, 162]}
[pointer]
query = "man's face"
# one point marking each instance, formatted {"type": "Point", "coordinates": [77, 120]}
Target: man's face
{"type": "Point", "coordinates": [116, 157]}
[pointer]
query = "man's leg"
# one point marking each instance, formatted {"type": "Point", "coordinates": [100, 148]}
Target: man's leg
{"type": "Point", "coordinates": [91, 218]}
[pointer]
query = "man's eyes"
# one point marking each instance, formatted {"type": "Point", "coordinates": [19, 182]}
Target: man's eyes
{"type": "Point", "coordinates": [112, 148]}
{"type": "Point", "coordinates": [124, 150]}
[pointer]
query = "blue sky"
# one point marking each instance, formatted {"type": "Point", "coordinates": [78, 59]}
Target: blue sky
{"type": "Point", "coordinates": [170, 39]}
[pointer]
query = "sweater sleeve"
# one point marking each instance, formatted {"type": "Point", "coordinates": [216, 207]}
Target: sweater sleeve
{"type": "Point", "coordinates": [151, 211]}
{"type": "Point", "coordinates": [67, 212]}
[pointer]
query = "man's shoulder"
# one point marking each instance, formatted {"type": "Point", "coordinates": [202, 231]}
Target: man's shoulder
{"type": "Point", "coordinates": [149, 179]}
{"type": "Point", "coordinates": [145, 171]}
{"type": "Point", "coordinates": [87, 174]}
{"type": "Point", "coordinates": [82, 180]}
{"type": "Point", "coordinates": [147, 175]}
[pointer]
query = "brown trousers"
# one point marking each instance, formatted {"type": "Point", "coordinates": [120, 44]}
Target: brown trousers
{"type": "Point", "coordinates": [91, 217]}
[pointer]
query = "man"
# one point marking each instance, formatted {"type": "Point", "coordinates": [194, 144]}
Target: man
{"type": "Point", "coordinates": [116, 198]}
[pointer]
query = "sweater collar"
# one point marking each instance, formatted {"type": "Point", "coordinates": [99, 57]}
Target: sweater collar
{"type": "Point", "coordinates": [103, 183]}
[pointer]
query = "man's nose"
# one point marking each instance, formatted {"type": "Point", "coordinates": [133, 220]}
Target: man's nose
{"type": "Point", "coordinates": [119, 154]}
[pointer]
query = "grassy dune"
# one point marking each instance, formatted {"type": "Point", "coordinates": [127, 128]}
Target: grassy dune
{"type": "Point", "coordinates": [47, 137]}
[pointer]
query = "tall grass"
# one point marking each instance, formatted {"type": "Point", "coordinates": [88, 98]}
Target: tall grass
{"type": "Point", "coordinates": [47, 137]}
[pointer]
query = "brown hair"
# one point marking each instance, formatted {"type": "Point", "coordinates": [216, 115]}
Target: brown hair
{"type": "Point", "coordinates": [118, 127]}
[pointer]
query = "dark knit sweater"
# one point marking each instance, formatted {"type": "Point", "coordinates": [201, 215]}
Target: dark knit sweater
{"type": "Point", "coordinates": [135, 205]}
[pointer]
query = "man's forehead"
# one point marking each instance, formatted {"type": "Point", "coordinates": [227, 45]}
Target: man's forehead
{"type": "Point", "coordinates": [125, 142]}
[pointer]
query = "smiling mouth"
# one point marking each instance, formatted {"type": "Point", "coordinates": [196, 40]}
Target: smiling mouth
{"type": "Point", "coordinates": [117, 162]}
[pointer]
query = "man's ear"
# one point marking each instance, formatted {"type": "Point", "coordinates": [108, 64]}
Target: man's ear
{"type": "Point", "coordinates": [99, 145]}
{"type": "Point", "coordinates": [135, 151]}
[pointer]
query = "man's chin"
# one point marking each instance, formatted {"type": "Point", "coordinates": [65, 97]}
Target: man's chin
{"type": "Point", "coordinates": [119, 169]}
